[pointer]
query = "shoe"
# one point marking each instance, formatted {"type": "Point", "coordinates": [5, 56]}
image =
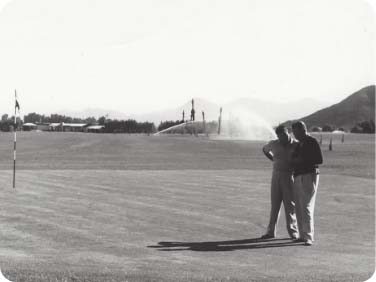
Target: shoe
{"type": "Point", "coordinates": [267, 236]}
{"type": "Point", "coordinates": [294, 236]}
{"type": "Point", "coordinates": [299, 240]}
{"type": "Point", "coordinates": [308, 243]}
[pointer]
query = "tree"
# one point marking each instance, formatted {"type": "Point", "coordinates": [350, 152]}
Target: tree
{"type": "Point", "coordinates": [364, 127]}
{"type": "Point", "coordinates": [368, 126]}
{"type": "Point", "coordinates": [102, 120]}
{"type": "Point", "coordinates": [32, 117]}
{"type": "Point", "coordinates": [316, 129]}
{"type": "Point", "coordinates": [327, 128]}
{"type": "Point", "coordinates": [8, 124]}
{"type": "Point", "coordinates": [5, 125]}
{"type": "Point", "coordinates": [356, 129]}
{"type": "Point", "coordinates": [90, 120]}
{"type": "Point", "coordinates": [128, 126]}
{"type": "Point", "coordinates": [167, 124]}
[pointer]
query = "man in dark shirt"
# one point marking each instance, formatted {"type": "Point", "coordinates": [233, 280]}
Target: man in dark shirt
{"type": "Point", "coordinates": [305, 160]}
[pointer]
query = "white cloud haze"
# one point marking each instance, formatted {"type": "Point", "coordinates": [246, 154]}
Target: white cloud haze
{"type": "Point", "coordinates": [141, 56]}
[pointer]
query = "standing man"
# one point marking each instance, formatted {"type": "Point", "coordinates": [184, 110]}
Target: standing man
{"type": "Point", "coordinates": [279, 152]}
{"type": "Point", "coordinates": [305, 160]}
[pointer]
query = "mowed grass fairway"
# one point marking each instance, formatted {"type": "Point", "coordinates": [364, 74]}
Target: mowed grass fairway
{"type": "Point", "coordinates": [98, 207]}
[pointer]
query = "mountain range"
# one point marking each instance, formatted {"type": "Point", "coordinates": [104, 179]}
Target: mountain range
{"type": "Point", "coordinates": [271, 112]}
{"type": "Point", "coordinates": [358, 107]}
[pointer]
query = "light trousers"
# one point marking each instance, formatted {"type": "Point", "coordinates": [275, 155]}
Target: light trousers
{"type": "Point", "coordinates": [305, 190]}
{"type": "Point", "coordinates": [282, 191]}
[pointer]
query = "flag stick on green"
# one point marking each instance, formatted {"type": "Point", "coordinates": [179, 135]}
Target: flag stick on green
{"type": "Point", "coordinates": [16, 106]}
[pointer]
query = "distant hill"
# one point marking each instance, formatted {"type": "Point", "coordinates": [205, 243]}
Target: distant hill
{"type": "Point", "coordinates": [272, 112]}
{"type": "Point", "coordinates": [275, 112]}
{"type": "Point", "coordinates": [175, 113]}
{"type": "Point", "coordinates": [358, 107]}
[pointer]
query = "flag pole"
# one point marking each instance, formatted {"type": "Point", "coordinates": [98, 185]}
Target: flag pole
{"type": "Point", "coordinates": [15, 139]}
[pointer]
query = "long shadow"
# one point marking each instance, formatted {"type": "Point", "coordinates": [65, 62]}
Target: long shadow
{"type": "Point", "coordinates": [222, 246]}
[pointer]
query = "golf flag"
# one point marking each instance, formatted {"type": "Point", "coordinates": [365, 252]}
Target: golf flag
{"type": "Point", "coordinates": [16, 109]}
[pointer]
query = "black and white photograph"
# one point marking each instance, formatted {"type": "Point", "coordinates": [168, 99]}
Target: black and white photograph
{"type": "Point", "coordinates": [187, 140]}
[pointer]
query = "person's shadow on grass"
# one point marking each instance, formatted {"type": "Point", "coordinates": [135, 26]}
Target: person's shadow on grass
{"type": "Point", "coordinates": [221, 246]}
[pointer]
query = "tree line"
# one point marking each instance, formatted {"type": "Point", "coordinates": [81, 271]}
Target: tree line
{"type": "Point", "coordinates": [128, 126]}
{"type": "Point", "coordinates": [364, 127]}
{"type": "Point", "coordinates": [198, 128]}
{"type": "Point", "coordinates": [56, 118]}
{"type": "Point", "coordinates": [367, 126]}
{"type": "Point", "coordinates": [133, 126]}
{"type": "Point", "coordinates": [7, 122]}
{"type": "Point", "coordinates": [110, 125]}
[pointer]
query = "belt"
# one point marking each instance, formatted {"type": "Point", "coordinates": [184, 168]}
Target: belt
{"type": "Point", "coordinates": [307, 171]}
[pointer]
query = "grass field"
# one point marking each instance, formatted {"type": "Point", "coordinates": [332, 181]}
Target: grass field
{"type": "Point", "coordinates": [92, 207]}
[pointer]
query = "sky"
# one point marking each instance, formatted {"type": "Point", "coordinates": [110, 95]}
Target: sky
{"type": "Point", "coordinates": [144, 56]}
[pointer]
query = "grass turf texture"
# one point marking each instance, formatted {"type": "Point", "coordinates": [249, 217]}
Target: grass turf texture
{"type": "Point", "coordinates": [140, 208]}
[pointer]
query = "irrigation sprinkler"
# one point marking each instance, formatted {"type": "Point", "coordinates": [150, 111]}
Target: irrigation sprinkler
{"type": "Point", "coordinates": [170, 128]}
{"type": "Point", "coordinates": [183, 121]}
{"type": "Point", "coordinates": [219, 121]}
{"type": "Point", "coordinates": [193, 117]}
{"type": "Point", "coordinates": [204, 123]}
{"type": "Point", "coordinates": [330, 144]}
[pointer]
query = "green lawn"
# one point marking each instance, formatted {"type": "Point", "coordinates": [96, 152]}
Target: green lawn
{"type": "Point", "coordinates": [93, 207]}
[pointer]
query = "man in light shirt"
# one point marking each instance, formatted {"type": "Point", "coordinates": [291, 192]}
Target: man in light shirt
{"type": "Point", "coordinates": [279, 151]}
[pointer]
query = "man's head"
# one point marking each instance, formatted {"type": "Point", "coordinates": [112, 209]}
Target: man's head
{"type": "Point", "coordinates": [282, 134]}
{"type": "Point", "coordinates": [299, 129]}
